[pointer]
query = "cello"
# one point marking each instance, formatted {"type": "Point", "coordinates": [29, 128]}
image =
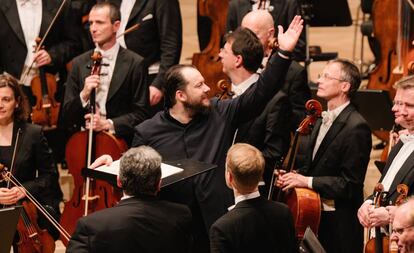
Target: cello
{"type": "Point", "coordinates": [207, 61]}
{"type": "Point", "coordinates": [82, 148]}
{"type": "Point", "coordinates": [304, 203]}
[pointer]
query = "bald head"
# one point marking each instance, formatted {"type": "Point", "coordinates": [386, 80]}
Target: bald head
{"type": "Point", "coordinates": [262, 24]}
{"type": "Point", "coordinates": [404, 222]}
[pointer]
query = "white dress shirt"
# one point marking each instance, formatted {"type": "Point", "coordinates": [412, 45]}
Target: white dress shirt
{"type": "Point", "coordinates": [240, 88]}
{"type": "Point", "coordinates": [108, 65]}
{"type": "Point", "coordinates": [241, 198]}
{"type": "Point", "coordinates": [126, 9]}
{"type": "Point", "coordinates": [30, 15]}
{"type": "Point", "coordinates": [406, 150]}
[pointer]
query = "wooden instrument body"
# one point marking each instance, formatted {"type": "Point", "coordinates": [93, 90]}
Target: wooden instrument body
{"type": "Point", "coordinates": [207, 61]}
{"type": "Point", "coordinates": [305, 206]}
{"type": "Point", "coordinates": [101, 195]}
{"type": "Point", "coordinates": [32, 239]}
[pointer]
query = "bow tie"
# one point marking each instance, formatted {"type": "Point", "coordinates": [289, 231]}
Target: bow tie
{"type": "Point", "coordinates": [24, 2]}
{"type": "Point", "coordinates": [406, 138]}
{"type": "Point", "coordinates": [328, 117]}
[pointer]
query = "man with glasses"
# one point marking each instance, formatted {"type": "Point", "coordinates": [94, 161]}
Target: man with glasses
{"type": "Point", "coordinates": [334, 158]}
{"type": "Point", "coordinates": [400, 165]}
{"type": "Point", "coordinates": [403, 227]}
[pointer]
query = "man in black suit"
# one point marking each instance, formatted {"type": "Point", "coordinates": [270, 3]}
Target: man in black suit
{"type": "Point", "coordinates": [200, 128]}
{"type": "Point", "coordinates": [21, 22]}
{"type": "Point", "coordinates": [335, 159]}
{"type": "Point", "coordinates": [282, 12]}
{"type": "Point", "coordinates": [121, 91]}
{"type": "Point", "coordinates": [140, 222]}
{"type": "Point", "coordinates": [158, 38]}
{"type": "Point", "coordinates": [296, 82]}
{"type": "Point", "coordinates": [241, 56]}
{"type": "Point", "coordinates": [399, 168]}
{"type": "Point", "coordinates": [254, 224]}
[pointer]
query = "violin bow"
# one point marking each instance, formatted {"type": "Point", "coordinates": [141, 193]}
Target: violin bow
{"type": "Point", "coordinates": [39, 46]}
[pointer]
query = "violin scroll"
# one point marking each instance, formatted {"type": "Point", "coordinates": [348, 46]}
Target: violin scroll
{"type": "Point", "coordinates": [314, 110]}
{"type": "Point", "coordinates": [225, 89]}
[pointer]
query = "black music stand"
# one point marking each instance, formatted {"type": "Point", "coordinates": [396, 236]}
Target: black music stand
{"type": "Point", "coordinates": [374, 105]}
{"type": "Point", "coordinates": [310, 243]}
{"type": "Point", "coordinates": [190, 169]}
{"type": "Point", "coordinates": [8, 221]}
{"type": "Point", "coordinates": [328, 12]}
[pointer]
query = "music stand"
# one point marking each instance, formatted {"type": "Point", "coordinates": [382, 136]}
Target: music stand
{"type": "Point", "coordinates": [310, 243]}
{"type": "Point", "coordinates": [190, 169]}
{"type": "Point", "coordinates": [374, 105]}
{"type": "Point", "coordinates": [8, 221]}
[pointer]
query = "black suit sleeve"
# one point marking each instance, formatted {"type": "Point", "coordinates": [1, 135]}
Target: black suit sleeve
{"type": "Point", "coordinates": [68, 45]}
{"type": "Point", "coordinates": [170, 32]}
{"type": "Point", "coordinates": [43, 163]}
{"type": "Point", "coordinates": [349, 183]}
{"type": "Point", "coordinates": [72, 109]}
{"type": "Point", "coordinates": [297, 88]}
{"type": "Point", "coordinates": [254, 100]}
{"type": "Point", "coordinates": [231, 23]}
{"type": "Point", "coordinates": [79, 241]}
{"type": "Point", "coordinates": [219, 242]}
{"type": "Point", "coordinates": [277, 136]}
{"type": "Point", "coordinates": [125, 123]}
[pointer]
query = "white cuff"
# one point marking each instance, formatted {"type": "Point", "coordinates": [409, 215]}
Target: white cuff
{"type": "Point", "coordinates": [310, 181]}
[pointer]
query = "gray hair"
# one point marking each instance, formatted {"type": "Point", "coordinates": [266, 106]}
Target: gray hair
{"type": "Point", "coordinates": [140, 171]}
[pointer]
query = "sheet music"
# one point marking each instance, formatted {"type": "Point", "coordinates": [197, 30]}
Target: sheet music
{"type": "Point", "coordinates": [166, 170]}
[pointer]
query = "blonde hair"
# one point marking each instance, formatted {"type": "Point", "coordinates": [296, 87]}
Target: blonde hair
{"type": "Point", "coordinates": [246, 164]}
{"type": "Point", "coordinates": [406, 82]}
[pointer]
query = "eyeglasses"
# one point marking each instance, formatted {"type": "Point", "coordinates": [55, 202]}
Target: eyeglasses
{"type": "Point", "coordinates": [399, 231]}
{"type": "Point", "coordinates": [328, 77]}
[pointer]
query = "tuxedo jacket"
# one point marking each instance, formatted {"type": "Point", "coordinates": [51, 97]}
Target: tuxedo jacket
{"type": "Point", "coordinates": [254, 225]}
{"type": "Point", "coordinates": [127, 101]}
{"type": "Point", "coordinates": [144, 224]}
{"type": "Point", "coordinates": [34, 166]}
{"type": "Point", "coordinates": [159, 37]}
{"type": "Point", "coordinates": [405, 175]}
{"type": "Point", "coordinates": [282, 11]}
{"type": "Point", "coordinates": [61, 43]}
{"type": "Point", "coordinates": [339, 169]}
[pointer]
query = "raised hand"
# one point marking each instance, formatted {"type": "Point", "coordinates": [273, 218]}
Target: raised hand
{"type": "Point", "coordinates": [287, 40]}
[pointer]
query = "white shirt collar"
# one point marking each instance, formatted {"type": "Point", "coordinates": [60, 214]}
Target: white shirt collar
{"type": "Point", "coordinates": [243, 86]}
{"type": "Point", "coordinates": [111, 53]}
{"type": "Point", "coordinates": [241, 198]}
{"type": "Point", "coordinates": [328, 117]}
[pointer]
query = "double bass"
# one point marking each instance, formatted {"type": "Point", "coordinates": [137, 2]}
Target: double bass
{"type": "Point", "coordinates": [392, 23]}
{"type": "Point", "coordinates": [207, 61]}
{"type": "Point", "coordinates": [304, 203]}
{"type": "Point", "coordinates": [82, 148]}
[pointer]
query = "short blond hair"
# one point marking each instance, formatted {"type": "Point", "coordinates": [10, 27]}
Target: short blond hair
{"type": "Point", "coordinates": [246, 164]}
{"type": "Point", "coordinates": [406, 82]}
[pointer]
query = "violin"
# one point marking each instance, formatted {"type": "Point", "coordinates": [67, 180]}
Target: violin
{"type": "Point", "coordinates": [402, 190]}
{"type": "Point", "coordinates": [304, 203]}
{"type": "Point", "coordinates": [81, 149]}
{"type": "Point", "coordinates": [46, 110]}
{"type": "Point", "coordinates": [224, 87]}
{"type": "Point", "coordinates": [32, 239]}
{"type": "Point", "coordinates": [379, 244]}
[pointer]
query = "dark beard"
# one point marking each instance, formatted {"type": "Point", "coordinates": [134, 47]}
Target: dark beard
{"type": "Point", "coordinates": [196, 109]}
